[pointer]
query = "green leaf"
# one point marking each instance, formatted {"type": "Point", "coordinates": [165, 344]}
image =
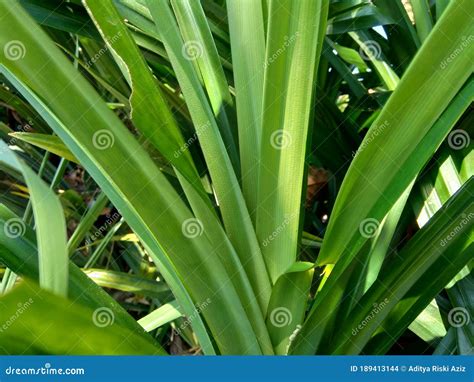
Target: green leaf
{"type": "Point", "coordinates": [332, 293]}
{"type": "Point", "coordinates": [199, 47]}
{"type": "Point", "coordinates": [149, 110]}
{"type": "Point", "coordinates": [351, 56]}
{"type": "Point", "coordinates": [402, 140]}
{"type": "Point", "coordinates": [127, 282]}
{"type": "Point", "coordinates": [288, 304]}
{"type": "Point", "coordinates": [363, 16]}
{"type": "Point", "coordinates": [228, 193]}
{"type": "Point", "coordinates": [423, 21]}
{"type": "Point", "coordinates": [448, 344]}
{"type": "Point", "coordinates": [294, 43]}
{"type": "Point", "coordinates": [21, 256]}
{"type": "Point", "coordinates": [71, 329]}
{"type": "Point", "coordinates": [87, 222]}
{"type": "Point", "coordinates": [94, 167]}
{"type": "Point", "coordinates": [47, 142]}
{"type": "Point", "coordinates": [429, 324]}
{"type": "Point", "coordinates": [233, 266]}
{"type": "Point", "coordinates": [408, 284]}
{"type": "Point", "coordinates": [161, 316]}
{"type": "Point", "coordinates": [247, 36]}
{"type": "Point", "coordinates": [461, 294]}
{"type": "Point", "coordinates": [371, 51]}
{"type": "Point", "coordinates": [368, 265]}
{"type": "Point", "coordinates": [68, 17]}
{"type": "Point", "coordinates": [50, 226]}
{"type": "Point", "coordinates": [110, 162]}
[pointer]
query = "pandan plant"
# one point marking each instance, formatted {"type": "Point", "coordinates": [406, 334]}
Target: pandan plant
{"type": "Point", "coordinates": [236, 177]}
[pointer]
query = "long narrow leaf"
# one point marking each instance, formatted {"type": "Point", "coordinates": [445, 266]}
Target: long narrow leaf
{"type": "Point", "coordinates": [293, 42]}
{"type": "Point", "coordinates": [50, 226]}
{"type": "Point", "coordinates": [232, 205]}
